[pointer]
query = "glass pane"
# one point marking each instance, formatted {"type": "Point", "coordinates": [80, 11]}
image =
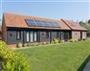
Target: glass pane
{"type": "Point", "coordinates": [27, 36]}
{"type": "Point", "coordinates": [35, 36]}
{"type": "Point", "coordinates": [18, 35]}
{"type": "Point", "coordinates": [31, 36]}
{"type": "Point", "coordinates": [62, 35]}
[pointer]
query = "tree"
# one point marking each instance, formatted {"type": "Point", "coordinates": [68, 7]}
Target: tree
{"type": "Point", "coordinates": [89, 21]}
{"type": "Point", "coordinates": [81, 23]}
{"type": "Point", "coordinates": [87, 26]}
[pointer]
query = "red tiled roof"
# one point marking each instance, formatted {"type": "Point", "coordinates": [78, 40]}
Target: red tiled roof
{"type": "Point", "coordinates": [73, 25]}
{"type": "Point", "coordinates": [13, 20]}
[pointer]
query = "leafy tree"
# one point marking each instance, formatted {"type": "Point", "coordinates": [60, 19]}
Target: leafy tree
{"type": "Point", "coordinates": [81, 22]}
{"type": "Point", "coordinates": [87, 26]}
{"type": "Point", "coordinates": [89, 21]}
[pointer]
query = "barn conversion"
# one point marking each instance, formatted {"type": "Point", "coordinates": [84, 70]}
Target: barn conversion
{"type": "Point", "coordinates": [29, 29]}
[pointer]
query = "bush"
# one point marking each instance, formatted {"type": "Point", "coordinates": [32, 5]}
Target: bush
{"type": "Point", "coordinates": [12, 61]}
{"type": "Point", "coordinates": [73, 40]}
{"type": "Point", "coordinates": [19, 44]}
{"type": "Point", "coordinates": [55, 41]}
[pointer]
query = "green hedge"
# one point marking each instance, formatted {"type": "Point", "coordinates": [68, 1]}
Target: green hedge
{"type": "Point", "coordinates": [12, 61]}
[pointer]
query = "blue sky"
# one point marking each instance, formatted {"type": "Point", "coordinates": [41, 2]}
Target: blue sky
{"type": "Point", "coordinates": [46, 0]}
{"type": "Point", "coordinates": [69, 9]}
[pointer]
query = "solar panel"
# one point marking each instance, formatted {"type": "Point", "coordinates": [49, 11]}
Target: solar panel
{"type": "Point", "coordinates": [31, 22]}
{"type": "Point", "coordinates": [39, 23]}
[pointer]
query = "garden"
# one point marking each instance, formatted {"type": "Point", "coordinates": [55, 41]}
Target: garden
{"type": "Point", "coordinates": [66, 56]}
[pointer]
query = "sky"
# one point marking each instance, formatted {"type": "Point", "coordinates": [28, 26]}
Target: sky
{"type": "Point", "coordinates": [67, 9]}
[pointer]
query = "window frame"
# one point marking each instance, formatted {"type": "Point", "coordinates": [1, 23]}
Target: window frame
{"type": "Point", "coordinates": [28, 36]}
{"type": "Point", "coordinates": [18, 35]}
{"type": "Point", "coordinates": [34, 36]}
{"type": "Point", "coordinates": [47, 34]}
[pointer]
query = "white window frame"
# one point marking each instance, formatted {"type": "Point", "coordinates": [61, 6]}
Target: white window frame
{"type": "Point", "coordinates": [18, 34]}
{"type": "Point", "coordinates": [31, 36]}
{"type": "Point", "coordinates": [35, 36]}
{"type": "Point", "coordinates": [27, 37]}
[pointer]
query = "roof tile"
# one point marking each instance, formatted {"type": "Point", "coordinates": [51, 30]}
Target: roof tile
{"type": "Point", "coordinates": [13, 20]}
{"type": "Point", "coordinates": [73, 25]}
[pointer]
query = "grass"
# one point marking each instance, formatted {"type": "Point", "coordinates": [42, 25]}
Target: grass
{"type": "Point", "coordinates": [58, 57]}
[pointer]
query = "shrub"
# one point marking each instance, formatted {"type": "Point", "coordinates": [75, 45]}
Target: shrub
{"type": "Point", "coordinates": [19, 44]}
{"type": "Point", "coordinates": [55, 41]}
{"type": "Point", "coordinates": [12, 61]}
{"type": "Point", "coordinates": [73, 40]}
{"type": "Point", "coordinates": [34, 44]}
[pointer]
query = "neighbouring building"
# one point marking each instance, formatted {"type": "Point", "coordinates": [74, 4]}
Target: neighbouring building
{"type": "Point", "coordinates": [29, 29]}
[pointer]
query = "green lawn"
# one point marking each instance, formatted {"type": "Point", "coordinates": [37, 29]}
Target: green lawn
{"type": "Point", "coordinates": [57, 57]}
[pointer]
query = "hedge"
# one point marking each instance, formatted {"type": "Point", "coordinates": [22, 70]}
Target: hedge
{"type": "Point", "coordinates": [12, 61]}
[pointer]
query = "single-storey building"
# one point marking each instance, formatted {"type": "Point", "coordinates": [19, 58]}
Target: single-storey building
{"type": "Point", "coordinates": [29, 29]}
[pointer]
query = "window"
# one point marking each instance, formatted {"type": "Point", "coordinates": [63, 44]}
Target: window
{"type": "Point", "coordinates": [35, 36]}
{"type": "Point", "coordinates": [58, 35]}
{"type": "Point", "coordinates": [66, 35]}
{"type": "Point", "coordinates": [27, 36]}
{"type": "Point", "coordinates": [18, 35]}
{"type": "Point", "coordinates": [62, 35]}
{"type": "Point", "coordinates": [31, 36]}
{"type": "Point", "coordinates": [10, 34]}
{"type": "Point", "coordinates": [47, 34]}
